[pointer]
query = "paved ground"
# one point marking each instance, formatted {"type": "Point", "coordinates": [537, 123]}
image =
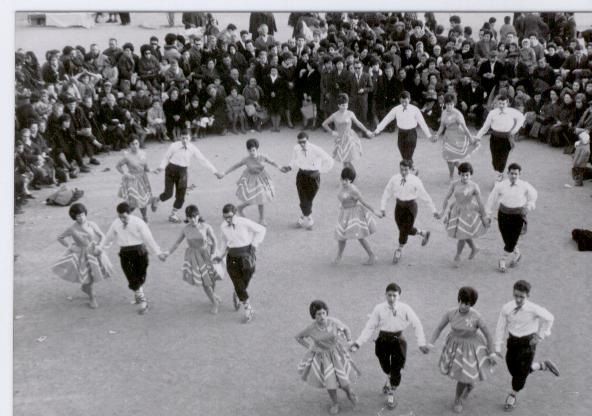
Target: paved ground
{"type": "Point", "coordinates": [178, 359]}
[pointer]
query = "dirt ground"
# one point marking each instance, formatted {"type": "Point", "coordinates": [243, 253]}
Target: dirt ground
{"type": "Point", "coordinates": [179, 360]}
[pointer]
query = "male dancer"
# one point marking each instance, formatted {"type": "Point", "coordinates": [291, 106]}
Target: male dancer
{"type": "Point", "coordinates": [175, 163]}
{"type": "Point", "coordinates": [240, 238]}
{"type": "Point", "coordinates": [406, 188]}
{"type": "Point", "coordinates": [408, 117]}
{"type": "Point", "coordinates": [526, 324]}
{"type": "Point", "coordinates": [133, 235]}
{"type": "Point", "coordinates": [391, 318]}
{"type": "Point", "coordinates": [311, 161]}
{"type": "Point", "coordinates": [515, 198]}
{"type": "Point", "coordinates": [504, 123]}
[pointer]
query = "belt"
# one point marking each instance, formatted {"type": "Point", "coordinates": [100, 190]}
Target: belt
{"type": "Point", "coordinates": [390, 334]}
{"type": "Point", "coordinates": [512, 211]}
{"type": "Point", "coordinates": [136, 247]}
{"type": "Point", "coordinates": [308, 172]}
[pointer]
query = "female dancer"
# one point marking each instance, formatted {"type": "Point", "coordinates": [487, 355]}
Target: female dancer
{"type": "Point", "coordinates": [82, 263]}
{"type": "Point", "coordinates": [467, 353]}
{"type": "Point", "coordinates": [135, 186]}
{"type": "Point", "coordinates": [458, 143]}
{"type": "Point", "coordinates": [198, 269]}
{"type": "Point", "coordinates": [347, 143]}
{"type": "Point", "coordinates": [327, 363]}
{"type": "Point", "coordinates": [355, 217]}
{"type": "Point", "coordinates": [465, 219]}
{"type": "Point", "coordinates": [254, 186]}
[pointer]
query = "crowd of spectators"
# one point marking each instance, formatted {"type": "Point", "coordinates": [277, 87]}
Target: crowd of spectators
{"type": "Point", "coordinates": [81, 101]}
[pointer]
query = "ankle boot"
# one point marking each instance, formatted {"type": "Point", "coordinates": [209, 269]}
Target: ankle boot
{"type": "Point", "coordinates": [578, 176]}
{"type": "Point", "coordinates": [234, 127]}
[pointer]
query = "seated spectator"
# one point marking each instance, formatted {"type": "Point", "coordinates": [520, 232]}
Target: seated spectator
{"type": "Point", "coordinates": [112, 123]}
{"type": "Point", "coordinates": [156, 124]}
{"type": "Point", "coordinates": [193, 118]}
{"type": "Point", "coordinates": [235, 104]}
{"type": "Point", "coordinates": [174, 111]}
{"type": "Point", "coordinates": [215, 107]}
{"type": "Point", "coordinates": [148, 67]}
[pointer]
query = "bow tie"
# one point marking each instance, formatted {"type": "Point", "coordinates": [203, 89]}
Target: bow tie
{"type": "Point", "coordinates": [403, 181]}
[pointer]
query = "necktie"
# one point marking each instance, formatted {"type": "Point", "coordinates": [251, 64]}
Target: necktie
{"type": "Point", "coordinates": [403, 180]}
{"type": "Point", "coordinates": [124, 224]}
{"type": "Point", "coordinates": [304, 150]}
{"type": "Point", "coordinates": [516, 309]}
{"type": "Point", "coordinates": [233, 226]}
{"type": "Point", "coordinates": [184, 146]}
{"type": "Point", "coordinates": [393, 311]}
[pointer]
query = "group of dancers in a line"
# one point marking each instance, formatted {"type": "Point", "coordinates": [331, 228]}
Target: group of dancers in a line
{"type": "Point", "coordinates": [328, 364]}
{"type": "Point", "coordinates": [468, 355]}
{"type": "Point", "coordinates": [466, 219]}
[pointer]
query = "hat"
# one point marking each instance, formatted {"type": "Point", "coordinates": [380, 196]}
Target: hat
{"type": "Point", "coordinates": [520, 88]}
{"type": "Point", "coordinates": [67, 50]}
{"type": "Point", "coordinates": [513, 54]}
{"type": "Point", "coordinates": [551, 45]}
{"type": "Point", "coordinates": [492, 54]}
{"type": "Point", "coordinates": [128, 45]}
{"type": "Point", "coordinates": [107, 83]}
{"type": "Point", "coordinates": [153, 38]}
{"type": "Point", "coordinates": [64, 117]}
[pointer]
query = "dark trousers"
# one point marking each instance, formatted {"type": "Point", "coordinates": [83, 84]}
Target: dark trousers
{"type": "Point", "coordinates": [406, 142]}
{"type": "Point", "coordinates": [125, 18]}
{"type": "Point", "coordinates": [307, 184]}
{"type": "Point", "coordinates": [405, 213]}
{"type": "Point", "coordinates": [519, 357]}
{"type": "Point", "coordinates": [175, 177]}
{"type": "Point", "coordinates": [76, 150]}
{"type": "Point", "coordinates": [134, 262]}
{"type": "Point", "coordinates": [240, 264]}
{"type": "Point", "coordinates": [391, 350]}
{"type": "Point", "coordinates": [510, 226]}
{"type": "Point", "coordinates": [500, 147]}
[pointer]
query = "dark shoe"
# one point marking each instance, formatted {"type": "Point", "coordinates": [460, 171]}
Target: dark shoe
{"type": "Point", "coordinates": [29, 196]}
{"type": "Point", "coordinates": [397, 256]}
{"type": "Point", "coordinates": [550, 366]}
{"type": "Point", "coordinates": [84, 169]}
{"type": "Point", "coordinates": [235, 302]}
{"type": "Point", "coordinates": [426, 238]}
{"type": "Point", "coordinates": [94, 161]}
{"type": "Point", "coordinates": [154, 203]}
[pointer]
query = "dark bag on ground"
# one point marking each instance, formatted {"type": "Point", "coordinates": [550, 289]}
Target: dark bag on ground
{"type": "Point", "coordinates": [64, 196]}
{"type": "Point", "coordinates": [583, 238]}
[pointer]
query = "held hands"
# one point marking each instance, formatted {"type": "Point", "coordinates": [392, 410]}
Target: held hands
{"type": "Point", "coordinates": [163, 256]}
{"type": "Point", "coordinates": [354, 347]}
{"type": "Point", "coordinates": [285, 169]}
{"type": "Point", "coordinates": [334, 133]}
{"type": "Point", "coordinates": [382, 213]}
{"type": "Point", "coordinates": [437, 215]}
{"type": "Point", "coordinates": [424, 349]}
{"type": "Point", "coordinates": [219, 175]}
{"type": "Point", "coordinates": [216, 259]}
{"type": "Point", "coordinates": [535, 340]}
{"type": "Point", "coordinates": [157, 170]}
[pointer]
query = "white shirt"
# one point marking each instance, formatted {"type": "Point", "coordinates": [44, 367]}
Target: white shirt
{"type": "Point", "coordinates": [407, 119]}
{"type": "Point", "coordinates": [136, 232]}
{"type": "Point", "coordinates": [411, 189]}
{"type": "Point", "coordinates": [313, 158]}
{"type": "Point", "coordinates": [509, 122]}
{"type": "Point", "coordinates": [529, 319]}
{"type": "Point", "coordinates": [179, 156]}
{"type": "Point", "coordinates": [245, 232]}
{"type": "Point", "coordinates": [521, 194]}
{"type": "Point", "coordinates": [383, 318]}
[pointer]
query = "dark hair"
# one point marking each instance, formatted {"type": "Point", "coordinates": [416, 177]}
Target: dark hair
{"type": "Point", "coordinates": [348, 173]}
{"type": "Point", "coordinates": [228, 208]}
{"type": "Point", "coordinates": [449, 98]}
{"type": "Point", "coordinates": [405, 163]}
{"type": "Point", "coordinates": [467, 295]}
{"type": "Point", "coordinates": [393, 287]}
{"type": "Point", "coordinates": [252, 143]}
{"type": "Point", "coordinates": [317, 305]}
{"type": "Point", "coordinates": [76, 209]}
{"type": "Point", "coordinates": [302, 135]}
{"type": "Point", "coordinates": [522, 286]}
{"type": "Point", "coordinates": [124, 208]}
{"type": "Point", "coordinates": [192, 211]}
{"type": "Point", "coordinates": [465, 167]}
{"type": "Point", "coordinates": [515, 166]}
{"type": "Point", "coordinates": [404, 94]}
{"type": "Point", "coordinates": [342, 98]}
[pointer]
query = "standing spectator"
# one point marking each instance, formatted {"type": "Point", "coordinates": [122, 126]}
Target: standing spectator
{"type": "Point", "coordinates": [257, 19]}
{"type": "Point", "coordinates": [235, 105]}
